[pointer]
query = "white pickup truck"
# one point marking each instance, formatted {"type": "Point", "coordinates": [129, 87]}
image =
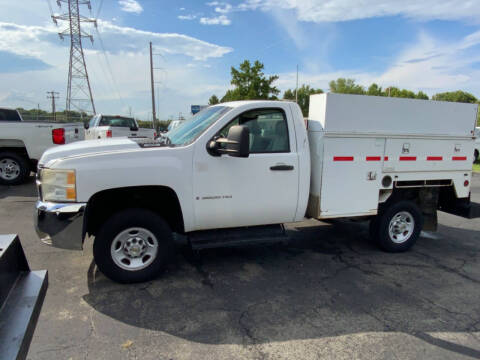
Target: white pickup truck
{"type": "Point", "coordinates": [22, 143]}
{"type": "Point", "coordinates": [237, 171]}
{"type": "Point", "coordinates": [106, 126]}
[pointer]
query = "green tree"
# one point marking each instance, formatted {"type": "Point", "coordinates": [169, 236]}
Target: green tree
{"type": "Point", "coordinates": [455, 96]}
{"type": "Point", "coordinates": [422, 96]}
{"type": "Point", "coordinates": [213, 100]}
{"type": "Point", "coordinates": [346, 86]}
{"type": "Point", "coordinates": [250, 83]}
{"type": "Point", "coordinates": [303, 96]}
{"type": "Point", "coordinates": [375, 90]}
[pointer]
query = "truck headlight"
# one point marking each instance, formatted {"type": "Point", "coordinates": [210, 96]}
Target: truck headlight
{"type": "Point", "coordinates": [58, 185]}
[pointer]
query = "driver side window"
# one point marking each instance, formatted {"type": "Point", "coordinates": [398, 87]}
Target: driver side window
{"type": "Point", "coordinates": [268, 130]}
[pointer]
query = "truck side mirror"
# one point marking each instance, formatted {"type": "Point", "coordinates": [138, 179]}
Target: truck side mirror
{"type": "Point", "coordinates": [134, 128]}
{"type": "Point", "coordinates": [86, 126]}
{"type": "Point", "coordinates": [238, 141]}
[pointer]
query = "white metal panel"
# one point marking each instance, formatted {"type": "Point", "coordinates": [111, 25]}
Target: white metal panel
{"type": "Point", "coordinates": [422, 155]}
{"type": "Point", "coordinates": [384, 115]}
{"type": "Point", "coordinates": [351, 175]}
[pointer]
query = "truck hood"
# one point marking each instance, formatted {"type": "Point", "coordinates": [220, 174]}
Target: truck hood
{"type": "Point", "coordinates": [87, 147]}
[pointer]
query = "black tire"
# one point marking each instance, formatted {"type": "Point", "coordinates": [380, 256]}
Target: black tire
{"type": "Point", "coordinates": [120, 222]}
{"type": "Point", "coordinates": [402, 207]}
{"type": "Point", "coordinates": [475, 156]}
{"type": "Point", "coordinates": [18, 176]}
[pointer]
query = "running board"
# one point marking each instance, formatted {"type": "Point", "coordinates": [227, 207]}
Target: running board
{"type": "Point", "coordinates": [265, 234]}
{"type": "Point", "coordinates": [21, 297]}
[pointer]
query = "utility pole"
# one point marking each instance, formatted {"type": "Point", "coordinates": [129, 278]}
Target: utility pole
{"type": "Point", "coordinates": [79, 92]}
{"type": "Point", "coordinates": [53, 95]}
{"type": "Point", "coordinates": [296, 88]}
{"type": "Point", "coordinates": [154, 115]}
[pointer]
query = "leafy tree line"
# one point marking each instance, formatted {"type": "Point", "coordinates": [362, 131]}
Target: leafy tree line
{"type": "Point", "coordinates": [250, 83]}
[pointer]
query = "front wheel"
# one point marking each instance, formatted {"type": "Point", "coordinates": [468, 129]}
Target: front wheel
{"type": "Point", "coordinates": [133, 246]}
{"type": "Point", "coordinates": [399, 226]}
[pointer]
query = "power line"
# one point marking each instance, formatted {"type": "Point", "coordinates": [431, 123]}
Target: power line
{"type": "Point", "coordinates": [99, 9]}
{"type": "Point", "coordinates": [109, 67]}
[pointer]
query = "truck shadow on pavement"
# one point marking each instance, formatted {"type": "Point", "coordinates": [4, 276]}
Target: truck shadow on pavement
{"type": "Point", "coordinates": [327, 281]}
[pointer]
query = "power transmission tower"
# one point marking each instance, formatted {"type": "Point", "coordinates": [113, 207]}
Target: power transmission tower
{"type": "Point", "coordinates": [79, 92]}
{"type": "Point", "coordinates": [53, 95]}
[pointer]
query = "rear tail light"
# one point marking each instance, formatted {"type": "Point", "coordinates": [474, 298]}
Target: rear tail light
{"type": "Point", "coordinates": [466, 183]}
{"type": "Point", "coordinates": [109, 133]}
{"type": "Point", "coordinates": [154, 134]}
{"type": "Point", "coordinates": [58, 136]}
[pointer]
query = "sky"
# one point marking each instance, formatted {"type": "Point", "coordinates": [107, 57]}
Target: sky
{"type": "Point", "coordinates": [428, 45]}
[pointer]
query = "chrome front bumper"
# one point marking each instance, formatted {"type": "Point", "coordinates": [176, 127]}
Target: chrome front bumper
{"type": "Point", "coordinates": [60, 225]}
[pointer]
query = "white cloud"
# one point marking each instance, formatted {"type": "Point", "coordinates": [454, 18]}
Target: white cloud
{"type": "Point", "coordinates": [33, 40]}
{"type": "Point", "coordinates": [131, 6]}
{"type": "Point", "coordinates": [217, 20]}
{"type": "Point", "coordinates": [187, 17]}
{"type": "Point", "coordinates": [428, 65]}
{"type": "Point", "coordinates": [221, 7]}
{"type": "Point", "coordinates": [127, 50]}
{"type": "Point", "coordinates": [344, 10]}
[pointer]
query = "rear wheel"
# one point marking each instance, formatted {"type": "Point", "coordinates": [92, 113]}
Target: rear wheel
{"type": "Point", "coordinates": [399, 226]}
{"type": "Point", "coordinates": [133, 246]}
{"type": "Point", "coordinates": [475, 156]}
{"type": "Point", "coordinates": [13, 168]}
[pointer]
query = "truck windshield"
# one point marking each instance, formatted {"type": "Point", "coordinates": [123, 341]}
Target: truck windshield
{"type": "Point", "coordinates": [117, 121]}
{"type": "Point", "coordinates": [189, 130]}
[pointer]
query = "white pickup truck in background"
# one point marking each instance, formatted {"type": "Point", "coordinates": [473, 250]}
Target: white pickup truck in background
{"type": "Point", "coordinates": [22, 143]}
{"type": "Point", "coordinates": [236, 172]}
{"type": "Point", "coordinates": [106, 126]}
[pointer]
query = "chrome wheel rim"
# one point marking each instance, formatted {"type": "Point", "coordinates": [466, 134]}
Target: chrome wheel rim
{"type": "Point", "coordinates": [134, 249]}
{"type": "Point", "coordinates": [401, 227]}
{"type": "Point", "coordinates": [9, 169]}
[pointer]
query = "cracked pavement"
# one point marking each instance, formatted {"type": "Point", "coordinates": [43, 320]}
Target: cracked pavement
{"type": "Point", "coordinates": [327, 293]}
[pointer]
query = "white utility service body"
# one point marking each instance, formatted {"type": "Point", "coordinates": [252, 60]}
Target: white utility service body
{"type": "Point", "coordinates": [105, 126]}
{"type": "Point", "coordinates": [356, 141]}
{"type": "Point", "coordinates": [29, 140]}
{"type": "Point", "coordinates": [395, 161]}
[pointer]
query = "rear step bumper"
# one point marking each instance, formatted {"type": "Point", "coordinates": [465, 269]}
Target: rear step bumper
{"type": "Point", "coordinates": [21, 297]}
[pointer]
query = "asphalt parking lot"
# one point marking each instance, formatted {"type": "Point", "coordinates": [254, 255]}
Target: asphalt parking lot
{"type": "Point", "coordinates": [328, 293]}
